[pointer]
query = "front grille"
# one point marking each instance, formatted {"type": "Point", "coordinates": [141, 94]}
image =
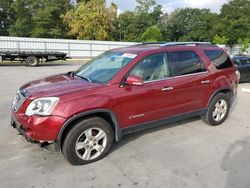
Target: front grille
{"type": "Point", "coordinates": [19, 99]}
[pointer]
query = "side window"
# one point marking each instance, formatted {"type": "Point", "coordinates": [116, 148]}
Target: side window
{"type": "Point", "coordinates": [151, 68]}
{"type": "Point", "coordinates": [219, 58]}
{"type": "Point", "coordinates": [186, 62]}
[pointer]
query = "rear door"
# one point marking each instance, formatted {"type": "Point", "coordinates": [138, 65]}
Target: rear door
{"type": "Point", "coordinates": [192, 81]}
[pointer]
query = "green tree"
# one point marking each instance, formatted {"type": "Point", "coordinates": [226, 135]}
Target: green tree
{"type": "Point", "coordinates": [132, 24]}
{"type": "Point", "coordinates": [112, 18]}
{"type": "Point", "coordinates": [126, 26]}
{"type": "Point", "coordinates": [24, 11]}
{"type": "Point", "coordinates": [39, 18]}
{"type": "Point", "coordinates": [176, 24]}
{"type": "Point", "coordinates": [244, 44]}
{"type": "Point", "coordinates": [48, 20]}
{"type": "Point", "coordinates": [6, 16]}
{"type": "Point", "coordinates": [200, 25]}
{"type": "Point", "coordinates": [91, 20]}
{"type": "Point", "coordinates": [152, 34]}
{"type": "Point", "coordinates": [145, 5]}
{"type": "Point", "coordinates": [220, 40]}
{"type": "Point", "coordinates": [234, 21]}
{"type": "Point", "coordinates": [189, 24]}
{"type": "Point", "coordinates": [143, 20]}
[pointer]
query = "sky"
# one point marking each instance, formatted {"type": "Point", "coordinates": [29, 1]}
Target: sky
{"type": "Point", "coordinates": [170, 5]}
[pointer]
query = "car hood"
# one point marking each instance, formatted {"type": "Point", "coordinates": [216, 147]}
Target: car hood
{"type": "Point", "coordinates": [57, 85]}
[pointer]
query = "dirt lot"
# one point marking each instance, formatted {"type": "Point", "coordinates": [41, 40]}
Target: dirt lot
{"type": "Point", "coordinates": [185, 154]}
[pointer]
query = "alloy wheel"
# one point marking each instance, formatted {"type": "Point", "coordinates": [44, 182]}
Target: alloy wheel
{"type": "Point", "coordinates": [91, 143]}
{"type": "Point", "coordinates": [220, 110]}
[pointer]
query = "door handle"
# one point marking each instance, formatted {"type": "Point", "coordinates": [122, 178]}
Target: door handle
{"type": "Point", "coordinates": [167, 88]}
{"type": "Point", "coordinates": [205, 82]}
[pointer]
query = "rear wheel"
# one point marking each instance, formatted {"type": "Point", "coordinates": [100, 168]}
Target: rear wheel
{"type": "Point", "coordinates": [88, 141]}
{"type": "Point", "coordinates": [218, 110]}
{"type": "Point", "coordinates": [32, 61]}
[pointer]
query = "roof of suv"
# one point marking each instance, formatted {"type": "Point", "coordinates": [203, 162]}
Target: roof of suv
{"type": "Point", "coordinates": [144, 47]}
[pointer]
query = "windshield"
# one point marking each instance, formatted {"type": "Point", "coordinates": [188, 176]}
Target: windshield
{"type": "Point", "coordinates": [104, 67]}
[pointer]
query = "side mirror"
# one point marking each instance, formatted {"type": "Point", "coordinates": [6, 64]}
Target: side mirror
{"type": "Point", "coordinates": [134, 81]}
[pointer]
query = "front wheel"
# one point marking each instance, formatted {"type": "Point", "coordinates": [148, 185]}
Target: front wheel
{"type": "Point", "coordinates": [218, 110]}
{"type": "Point", "coordinates": [88, 141]}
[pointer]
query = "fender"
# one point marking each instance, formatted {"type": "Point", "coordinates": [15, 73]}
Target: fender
{"type": "Point", "coordinates": [117, 130]}
{"type": "Point", "coordinates": [218, 91]}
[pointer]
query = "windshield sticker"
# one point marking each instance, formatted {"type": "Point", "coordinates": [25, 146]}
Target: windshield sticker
{"type": "Point", "coordinates": [131, 56]}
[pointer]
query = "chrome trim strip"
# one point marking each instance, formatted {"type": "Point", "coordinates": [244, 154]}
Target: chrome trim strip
{"type": "Point", "coordinates": [24, 92]}
{"type": "Point", "coordinates": [205, 72]}
{"type": "Point", "coordinates": [19, 99]}
{"type": "Point", "coordinates": [169, 78]}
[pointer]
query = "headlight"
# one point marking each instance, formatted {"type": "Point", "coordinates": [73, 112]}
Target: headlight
{"type": "Point", "coordinates": [42, 106]}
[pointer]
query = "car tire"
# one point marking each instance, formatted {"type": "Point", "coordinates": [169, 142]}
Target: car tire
{"type": "Point", "coordinates": [32, 61]}
{"type": "Point", "coordinates": [218, 110]}
{"type": "Point", "coordinates": [88, 141]}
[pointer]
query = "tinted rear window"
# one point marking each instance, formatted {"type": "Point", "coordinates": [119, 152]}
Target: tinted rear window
{"type": "Point", "coordinates": [186, 62]}
{"type": "Point", "coordinates": [219, 58]}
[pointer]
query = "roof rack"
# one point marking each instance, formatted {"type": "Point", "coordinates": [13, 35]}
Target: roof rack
{"type": "Point", "coordinates": [187, 43]}
{"type": "Point", "coordinates": [151, 44]}
{"type": "Point", "coordinates": [163, 44]}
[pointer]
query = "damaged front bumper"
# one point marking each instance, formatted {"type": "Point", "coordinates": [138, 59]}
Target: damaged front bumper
{"type": "Point", "coordinates": [48, 145]}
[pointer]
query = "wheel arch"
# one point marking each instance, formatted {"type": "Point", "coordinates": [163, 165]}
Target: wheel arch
{"type": "Point", "coordinates": [226, 91]}
{"type": "Point", "coordinates": [106, 114]}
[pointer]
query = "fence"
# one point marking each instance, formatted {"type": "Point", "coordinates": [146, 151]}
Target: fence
{"type": "Point", "coordinates": [73, 48]}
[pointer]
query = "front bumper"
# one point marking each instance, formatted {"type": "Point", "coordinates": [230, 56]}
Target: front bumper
{"type": "Point", "coordinates": [21, 131]}
{"type": "Point", "coordinates": [37, 128]}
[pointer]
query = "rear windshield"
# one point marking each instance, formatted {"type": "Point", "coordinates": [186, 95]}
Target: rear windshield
{"type": "Point", "coordinates": [219, 58]}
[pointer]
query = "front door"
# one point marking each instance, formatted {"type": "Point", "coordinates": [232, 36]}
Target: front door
{"type": "Point", "coordinates": [151, 101]}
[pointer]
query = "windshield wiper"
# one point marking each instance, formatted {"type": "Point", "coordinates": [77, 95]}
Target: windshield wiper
{"type": "Point", "coordinates": [71, 73]}
{"type": "Point", "coordinates": [82, 77]}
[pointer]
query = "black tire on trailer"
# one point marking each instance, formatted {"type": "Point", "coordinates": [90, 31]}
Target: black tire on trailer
{"type": "Point", "coordinates": [32, 61]}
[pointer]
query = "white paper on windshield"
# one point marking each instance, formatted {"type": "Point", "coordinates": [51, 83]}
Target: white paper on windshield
{"type": "Point", "coordinates": [128, 55]}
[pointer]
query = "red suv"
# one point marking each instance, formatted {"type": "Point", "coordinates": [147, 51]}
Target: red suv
{"type": "Point", "coordinates": [122, 91]}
